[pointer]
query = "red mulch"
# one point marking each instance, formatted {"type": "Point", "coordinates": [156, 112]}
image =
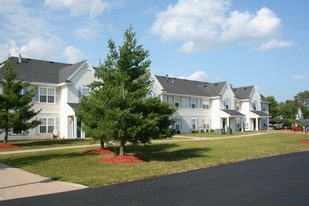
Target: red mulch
{"type": "Point", "coordinates": [305, 141]}
{"type": "Point", "coordinates": [98, 151]}
{"type": "Point", "coordinates": [122, 159]}
{"type": "Point", "coordinates": [7, 146]}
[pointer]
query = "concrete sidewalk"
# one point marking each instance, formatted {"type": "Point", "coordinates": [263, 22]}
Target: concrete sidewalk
{"type": "Point", "coordinates": [16, 183]}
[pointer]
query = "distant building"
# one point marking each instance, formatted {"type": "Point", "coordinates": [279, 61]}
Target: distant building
{"type": "Point", "coordinates": [204, 106]}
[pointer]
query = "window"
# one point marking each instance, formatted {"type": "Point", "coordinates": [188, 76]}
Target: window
{"type": "Point", "coordinates": [47, 125]}
{"type": "Point", "coordinates": [47, 95]}
{"type": "Point", "coordinates": [164, 98]}
{"type": "Point", "coordinates": [178, 126]}
{"type": "Point", "coordinates": [193, 103]}
{"type": "Point", "coordinates": [193, 124]}
{"type": "Point", "coordinates": [177, 102]}
{"type": "Point", "coordinates": [265, 108]}
{"type": "Point", "coordinates": [206, 124]}
{"type": "Point", "coordinates": [226, 103]}
{"type": "Point", "coordinates": [83, 91]}
{"type": "Point", "coordinates": [254, 106]}
{"type": "Point", "coordinates": [206, 104]}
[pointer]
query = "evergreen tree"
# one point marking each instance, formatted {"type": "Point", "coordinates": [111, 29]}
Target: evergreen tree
{"type": "Point", "coordinates": [117, 107]}
{"type": "Point", "coordinates": [16, 103]}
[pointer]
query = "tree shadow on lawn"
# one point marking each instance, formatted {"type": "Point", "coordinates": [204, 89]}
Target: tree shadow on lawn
{"type": "Point", "coordinates": [21, 160]}
{"type": "Point", "coordinates": [166, 152]}
{"type": "Point", "coordinates": [31, 143]}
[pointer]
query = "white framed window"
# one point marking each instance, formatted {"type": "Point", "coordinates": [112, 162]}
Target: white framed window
{"type": "Point", "coordinates": [164, 98]}
{"type": "Point", "coordinates": [47, 95]}
{"type": "Point", "coordinates": [206, 124]}
{"type": "Point", "coordinates": [178, 126]}
{"type": "Point", "coordinates": [206, 104]}
{"type": "Point", "coordinates": [83, 91]}
{"type": "Point", "coordinates": [47, 125]}
{"type": "Point", "coordinates": [193, 103]}
{"type": "Point", "coordinates": [226, 103]}
{"type": "Point", "coordinates": [177, 102]}
{"type": "Point", "coordinates": [193, 123]}
{"type": "Point", "coordinates": [254, 105]}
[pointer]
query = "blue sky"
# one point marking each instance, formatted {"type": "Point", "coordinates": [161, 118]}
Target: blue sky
{"type": "Point", "coordinates": [257, 42]}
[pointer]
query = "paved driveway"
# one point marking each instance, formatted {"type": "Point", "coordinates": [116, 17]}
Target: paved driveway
{"type": "Point", "coordinates": [280, 180]}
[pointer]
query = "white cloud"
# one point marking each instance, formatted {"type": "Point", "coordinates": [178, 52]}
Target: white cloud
{"type": "Point", "coordinates": [198, 76]}
{"type": "Point", "coordinates": [79, 7]}
{"type": "Point", "coordinates": [208, 24]}
{"type": "Point", "coordinates": [31, 33]}
{"type": "Point", "coordinates": [274, 43]}
{"type": "Point", "coordinates": [298, 77]}
{"type": "Point", "coordinates": [89, 31]}
{"type": "Point", "coordinates": [73, 54]}
{"type": "Point", "coordinates": [38, 48]}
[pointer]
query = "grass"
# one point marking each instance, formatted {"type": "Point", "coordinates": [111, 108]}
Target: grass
{"type": "Point", "coordinates": [215, 135]}
{"type": "Point", "coordinates": [164, 158]}
{"type": "Point", "coordinates": [44, 143]}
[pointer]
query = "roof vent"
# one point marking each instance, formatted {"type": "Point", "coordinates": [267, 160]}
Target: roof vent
{"type": "Point", "coordinates": [216, 84]}
{"type": "Point", "coordinates": [19, 58]}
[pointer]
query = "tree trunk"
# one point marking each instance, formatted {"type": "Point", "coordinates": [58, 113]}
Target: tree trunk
{"type": "Point", "coordinates": [122, 147]}
{"type": "Point", "coordinates": [102, 143]}
{"type": "Point", "coordinates": [6, 134]}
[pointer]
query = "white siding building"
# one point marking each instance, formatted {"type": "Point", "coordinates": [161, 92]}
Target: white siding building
{"type": "Point", "coordinates": [59, 88]}
{"type": "Point", "coordinates": [212, 106]}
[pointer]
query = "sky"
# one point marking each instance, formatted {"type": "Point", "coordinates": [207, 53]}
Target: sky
{"type": "Point", "coordinates": [258, 42]}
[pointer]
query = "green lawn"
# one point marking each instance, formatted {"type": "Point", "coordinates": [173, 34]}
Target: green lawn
{"type": "Point", "coordinates": [164, 158]}
{"type": "Point", "coordinates": [45, 143]}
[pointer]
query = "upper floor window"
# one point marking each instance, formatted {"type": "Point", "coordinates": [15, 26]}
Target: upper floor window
{"type": "Point", "coordinates": [193, 103]}
{"type": "Point", "coordinates": [83, 91]}
{"type": "Point", "coordinates": [254, 106]}
{"type": "Point", "coordinates": [264, 108]}
{"type": "Point", "coordinates": [177, 102]}
{"type": "Point", "coordinates": [226, 104]}
{"type": "Point", "coordinates": [206, 104]}
{"type": "Point", "coordinates": [47, 94]}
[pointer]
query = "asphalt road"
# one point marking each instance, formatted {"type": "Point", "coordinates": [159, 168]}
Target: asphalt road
{"type": "Point", "coordinates": [280, 180]}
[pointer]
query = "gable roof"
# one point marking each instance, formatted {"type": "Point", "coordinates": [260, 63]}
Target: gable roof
{"type": "Point", "coordinates": [233, 113]}
{"type": "Point", "coordinates": [43, 71]}
{"type": "Point", "coordinates": [189, 87]}
{"type": "Point", "coordinates": [260, 113]}
{"type": "Point", "coordinates": [243, 92]}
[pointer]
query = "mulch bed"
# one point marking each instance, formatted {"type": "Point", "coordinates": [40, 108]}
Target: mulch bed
{"type": "Point", "coordinates": [305, 141]}
{"type": "Point", "coordinates": [125, 159]}
{"type": "Point", "coordinates": [7, 146]}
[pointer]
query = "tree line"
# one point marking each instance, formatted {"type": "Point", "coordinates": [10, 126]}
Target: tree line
{"type": "Point", "coordinates": [286, 112]}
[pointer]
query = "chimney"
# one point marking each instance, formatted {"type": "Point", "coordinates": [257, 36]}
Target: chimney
{"type": "Point", "coordinates": [19, 58]}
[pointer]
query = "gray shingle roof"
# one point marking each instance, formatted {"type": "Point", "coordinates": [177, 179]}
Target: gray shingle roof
{"type": "Point", "coordinates": [43, 71]}
{"type": "Point", "coordinates": [243, 92]}
{"type": "Point", "coordinates": [189, 87]}
{"type": "Point", "coordinates": [261, 114]}
{"type": "Point", "coordinates": [233, 113]}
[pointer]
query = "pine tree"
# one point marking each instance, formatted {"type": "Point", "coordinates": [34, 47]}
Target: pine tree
{"type": "Point", "coordinates": [117, 108]}
{"type": "Point", "coordinates": [16, 103]}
